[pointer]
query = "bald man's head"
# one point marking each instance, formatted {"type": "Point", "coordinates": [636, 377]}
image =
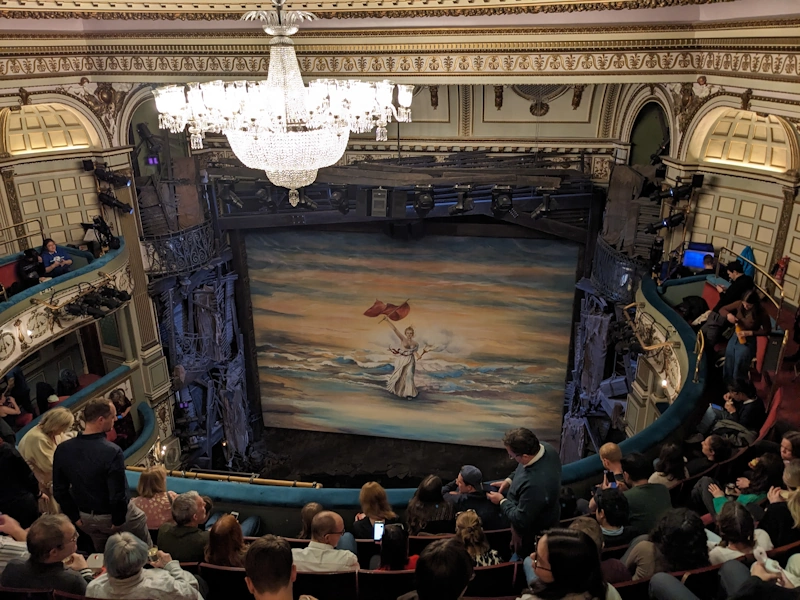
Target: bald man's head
{"type": "Point", "coordinates": [326, 527]}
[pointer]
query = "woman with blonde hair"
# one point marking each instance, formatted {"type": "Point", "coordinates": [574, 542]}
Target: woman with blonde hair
{"type": "Point", "coordinates": [782, 517]}
{"type": "Point", "coordinates": [154, 499]}
{"type": "Point", "coordinates": [226, 546]}
{"type": "Point", "coordinates": [38, 446]}
{"type": "Point", "coordinates": [374, 507]}
{"type": "Point", "coordinates": [469, 529]}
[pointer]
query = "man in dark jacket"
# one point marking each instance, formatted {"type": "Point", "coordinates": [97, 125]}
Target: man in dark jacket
{"type": "Point", "coordinates": [184, 540]}
{"type": "Point", "coordinates": [532, 491]}
{"type": "Point", "coordinates": [89, 480]}
{"type": "Point", "coordinates": [742, 406]}
{"type": "Point", "coordinates": [465, 492]}
{"type": "Point", "coordinates": [740, 283]}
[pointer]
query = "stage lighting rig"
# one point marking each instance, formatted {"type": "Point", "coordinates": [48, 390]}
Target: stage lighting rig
{"type": "Point", "coordinates": [152, 142]}
{"type": "Point", "coordinates": [227, 194]}
{"type": "Point", "coordinates": [669, 222]}
{"type": "Point", "coordinates": [265, 199]}
{"type": "Point", "coordinates": [338, 198]}
{"type": "Point", "coordinates": [423, 199]}
{"type": "Point", "coordinates": [465, 203]}
{"type": "Point", "coordinates": [679, 191]}
{"type": "Point", "coordinates": [103, 233]}
{"type": "Point", "coordinates": [80, 308]}
{"type": "Point", "coordinates": [306, 203]}
{"type": "Point", "coordinates": [544, 208]}
{"type": "Point", "coordinates": [502, 204]}
{"type": "Point", "coordinates": [111, 201]}
{"type": "Point", "coordinates": [112, 178]}
{"type": "Point", "coordinates": [119, 295]}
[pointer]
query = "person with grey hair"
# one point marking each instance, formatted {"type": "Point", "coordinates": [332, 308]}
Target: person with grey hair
{"type": "Point", "coordinates": [183, 539]}
{"type": "Point", "coordinates": [125, 577]}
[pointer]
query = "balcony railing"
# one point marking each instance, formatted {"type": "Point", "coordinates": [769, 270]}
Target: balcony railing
{"type": "Point", "coordinates": [180, 252]}
{"type": "Point", "coordinates": [614, 274]}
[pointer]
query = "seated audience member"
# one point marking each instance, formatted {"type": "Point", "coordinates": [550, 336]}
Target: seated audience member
{"type": "Point", "coordinates": [226, 546]}
{"type": "Point", "coordinates": [209, 504]}
{"type": "Point", "coordinates": [321, 555]}
{"type": "Point", "coordinates": [646, 501]}
{"type": "Point", "coordinates": [781, 520]}
{"type": "Point", "coordinates": [307, 514]}
{"type": "Point", "coordinates": [611, 457]}
{"type": "Point", "coordinates": [154, 499]}
{"type": "Point", "coordinates": [38, 447]}
{"type": "Point", "coordinates": [751, 321]}
{"type": "Point", "coordinates": [427, 511]}
{"type": "Point", "coordinates": [55, 259]}
{"type": "Point", "coordinates": [738, 534]}
{"type": "Point", "coordinates": [184, 540]}
{"type": "Point", "coordinates": [716, 325]}
{"type": "Point", "coordinates": [790, 446]}
{"type": "Point", "coordinates": [767, 473]}
{"type": "Point", "coordinates": [614, 570]}
{"type": "Point", "coordinates": [30, 270]}
{"type": "Point", "coordinates": [741, 405]}
{"type": "Point", "coordinates": [612, 515]}
{"type": "Point", "coordinates": [123, 426]}
{"type": "Point", "coordinates": [714, 449]}
{"type": "Point", "coordinates": [469, 530]}
{"type": "Point", "coordinates": [532, 502]}
{"type": "Point", "coordinates": [466, 492]}
{"type": "Point", "coordinates": [443, 572]}
{"type": "Point", "coordinates": [12, 541]}
{"type": "Point", "coordinates": [14, 385]}
{"type": "Point", "coordinates": [708, 265]}
{"type": "Point", "coordinates": [269, 568]}
{"type": "Point", "coordinates": [670, 467]}
{"type": "Point", "coordinates": [567, 566]}
{"type": "Point", "coordinates": [394, 551]}
{"type": "Point", "coordinates": [68, 383]}
{"type": "Point", "coordinates": [53, 563]}
{"type": "Point", "coordinates": [19, 490]}
{"type": "Point", "coordinates": [125, 556]}
{"type": "Point", "coordinates": [10, 413]}
{"type": "Point", "coordinates": [678, 542]}
{"type": "Point", "coordinates": [374, 507]}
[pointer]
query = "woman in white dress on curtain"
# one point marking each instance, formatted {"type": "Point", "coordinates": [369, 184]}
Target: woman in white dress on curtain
{"type": "Point", "coordinates": [401, 381]}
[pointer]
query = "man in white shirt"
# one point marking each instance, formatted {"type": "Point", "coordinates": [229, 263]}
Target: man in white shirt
{"type": "Point", "coordinates": [321, 555]}
{"type": "Point", "coordinates": [13, 543]}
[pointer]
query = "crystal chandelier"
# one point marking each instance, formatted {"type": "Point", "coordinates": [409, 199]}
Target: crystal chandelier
{"type": "Point", "coordinates": [280, 125]}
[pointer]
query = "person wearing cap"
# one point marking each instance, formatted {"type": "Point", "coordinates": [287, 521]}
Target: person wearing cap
{"type": "Point", "coordinates": [466, 492]}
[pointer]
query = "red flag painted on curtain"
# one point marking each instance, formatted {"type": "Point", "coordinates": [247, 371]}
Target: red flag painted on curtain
{"type": "Point", "coordinates": [392, 311]}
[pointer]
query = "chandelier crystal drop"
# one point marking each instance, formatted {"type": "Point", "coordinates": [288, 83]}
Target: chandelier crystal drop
{"type": "Point", "coordinates": [280, 125]}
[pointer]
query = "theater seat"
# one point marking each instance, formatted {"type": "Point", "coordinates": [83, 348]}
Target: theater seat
{"type": "Point", "coordinates": [326, 586]}
{"type": "Point", "coordinates": [225, 583]}
{"type": "Point", "coordinates": [384, 585]}
{"type": "Point", "coordinates": [496, 580]}
{"type": "Point", "coordinates": [24, 594]}
{"type": "Point", "coordinates": [418, 543]}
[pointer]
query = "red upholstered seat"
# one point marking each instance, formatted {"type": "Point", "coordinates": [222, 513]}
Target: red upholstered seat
{"type": "Point", "coordinates": [710, 295]}
{"type": "Point", "coordinates": [87, 379]}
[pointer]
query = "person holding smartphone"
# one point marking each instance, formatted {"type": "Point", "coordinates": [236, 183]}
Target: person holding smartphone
{"type": "Point", "coordinates": [56, 260]}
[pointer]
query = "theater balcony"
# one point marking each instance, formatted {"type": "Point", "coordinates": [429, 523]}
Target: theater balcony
{"type": "Point", "coordinates": [179, 252]}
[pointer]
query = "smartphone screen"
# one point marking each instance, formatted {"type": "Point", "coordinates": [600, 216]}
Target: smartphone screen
{"type": "Point", "coordinates": [377, 531]}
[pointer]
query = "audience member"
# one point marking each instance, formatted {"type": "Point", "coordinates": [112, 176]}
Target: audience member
{"type": "Point", "coordinates": [427, 511]}
{"type": "Point", "coordinates": [614, 570]}
{"type": "Point", "coordinates": [646, 501]}
{"type": "Point", "coordinates": [307, 514]}
{"type": "Point", "coordinates": [125, 557]}
{"type": "Point", "coordinates": [321, 555]}
{"type": "Point", "coordinates": [55, 259]}
{"type": "Point", "coordinates": [567, 566]}
{"type": "Point", "coordinates": [767, 472]}
{"type": "Point", "coordinates": [185, 540]}
{"type": "Point", "coordinates": [469, 530]}
{"type": "Point", "coordinates": [670, 467]}
{"type": "Point", "coordinates": [736, 583]}
{"type": "Point", "coordinates": [374, 507]}
{"type": "Point", "coordinates": [270, 569]}
{"type": "Point", "coordinates": [716, 325]}
{"type": "Point", "coordinates": [9, 414]}
{"type": "Point", "coordinates": [30, 270]}
{"type": "Point", "coordinates": [394, 551]}
{"type": "Point", "coordinates": [68, 383]}
{"type": "Point", "coordinates": [714, 449]}
{"type": "Point", "coordinates": [443, 572]}
{"type": "Point", "coordinates": [226, 546]}
{"type": "Point", "coordinates": [123, 426]}
{"type": "Point", "coordinates": [613, 514]}
{"type": "Point", "coordinates": [532, 490]}
{"type": "Point", "coordinates": [738, 534]}
{"type": "Point", "coordinates": [741, 405]}
{"type": "Point", "coordinates": [19, 492]}
{"type": "Point", "coordinates": [12, 541]}
{"type": "Point", "coordinates": [781, 520]}
{"type": "Point", "coordinates": [53, 563]}
{"type": "Point", "coordinates": [466, 492]}
{"type": "Point", "coordinates": [790, 446]}
{"type": "Point", "coordinates": [38, 446]}
{"type": "Point", "coordinates": [14, 385]}
{"type": "Point", "coordinates": [751, 321]}
{"type": "Point", "coordinates": [611, 457]}
{"type": "Point", "coordinates": [708, 265]}
{"type": "Point", "coordinates": [89, 480]}
{"type": "Point", "coordinates": [678, 542]}
{"type": "Point", "coordinates": [154, 499]}
{"type": "Point", "coordinates": [44, 391]}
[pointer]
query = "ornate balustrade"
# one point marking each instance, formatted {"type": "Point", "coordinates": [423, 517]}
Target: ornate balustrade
{"type": "Point", "coordinates": [615, 275]}
{"type": "Point", "coordinates": [180, 252]}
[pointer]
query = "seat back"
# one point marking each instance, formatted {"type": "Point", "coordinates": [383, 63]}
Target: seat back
{"type": "Point", "coordinates": [366, 550]}
{"type": "Point", "coordinates": [225, 583]}
{"type": "Point", "coordinates": [418, 543]}
{"type": "Point", "coordinates": [710, 295]}
{"type": "Point", "coordinates": [327, 586]}
{"type": "Point", "coordinates": [500, 540]}
{"type": "Point", "coordinates": [24, 594]}
{"type": "Point", "coordinates": [496, 580]}
{"type": "Point", "coordinates": [783, 553]}
{"type": "Point", "coordinates": [297, 542]}
{"type": "Point", "coordinates": [615, 551]}
{"type": "Point", "coordinates": [772, 414]}
{"type": "Point", "coordinates": [634, 590]}
{"type": "Point", "coordinates": [384, 585]}
{"type": "Point", "coordinates": [702, 582]}
{"type": "Point", "coordinates": [191, 567]}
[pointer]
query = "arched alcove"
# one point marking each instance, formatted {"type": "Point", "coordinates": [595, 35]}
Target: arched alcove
{"type": "Point", "coordinates": [45, 129]}
{"type": "Point", "coordinates": [650, 130]}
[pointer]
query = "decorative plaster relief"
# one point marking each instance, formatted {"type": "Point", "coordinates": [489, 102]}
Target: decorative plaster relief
{"type": "Point", "coordinates": [104, 99]}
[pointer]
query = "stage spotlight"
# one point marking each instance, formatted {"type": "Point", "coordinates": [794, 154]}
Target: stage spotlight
{"type": "Point", "coordinates": [111, 201]}
{"type": "Point", "coordinates": [502, 203]}
{"type": "Point", "coordinates": [465, 202]}
{"type": "Point", "coordinates": [152, 142]}
{"type": "Point", "coordinates": [685, 190]}
{"type": "Point", "coordinates": [306, 203]}
{"type": "Point", "coordinates": [541, 210]}
{"type": "Point", "coordinates": [423, 199]}
{"type": "Point", "coordinates": [109, 176]}
{"type": "Point", "coordinates": [338, 198]}
{"type": "Point", "coordinates": [265, 199]}
{"type": "Point", "coordinates": [227, 195]}
{"type": "Point", "coordinates": [110, 292]}
{"type": "Point", "coordinates": [669, 222]}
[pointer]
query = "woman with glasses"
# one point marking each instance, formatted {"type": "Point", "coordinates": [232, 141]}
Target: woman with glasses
{"type": "Point", "coordinates": [567, 566]}
{"type": "Point", "coordinates": [469, 529]}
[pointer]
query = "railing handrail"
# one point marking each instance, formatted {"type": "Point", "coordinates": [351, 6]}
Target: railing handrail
{"type": "Point", "coordinates": [771, 279]}
{"type": "Point", "coordinates": [23, 224]}
{"type": "Point", "coordinates": [233, 478]}
{"type": "Point", "coordinates": [173, 234]}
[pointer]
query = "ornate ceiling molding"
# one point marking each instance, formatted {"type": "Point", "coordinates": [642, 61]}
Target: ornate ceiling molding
{"type": "Point", "coordinates": [210, 10]}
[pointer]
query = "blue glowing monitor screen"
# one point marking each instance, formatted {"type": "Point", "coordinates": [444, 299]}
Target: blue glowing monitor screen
{"type": "Point", "coordinates": [694, 258]}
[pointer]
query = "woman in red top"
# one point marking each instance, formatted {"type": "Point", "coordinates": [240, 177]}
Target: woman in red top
{"type": "Point", "coordinates": [394, 550]}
